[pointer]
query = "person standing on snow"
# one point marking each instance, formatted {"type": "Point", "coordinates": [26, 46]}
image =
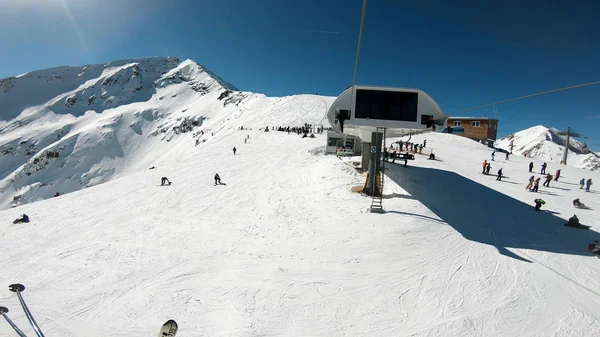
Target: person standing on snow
{"type": "Point", "coordinates": [531, 180]}
{"type": "Point", "coordinates": [425, 143]}
{"type": "Point", "coordinates": [488, 168]}
{"type": "Point", "coordinates": [499, 175]}
{"type": "Point", "coordinates": [234, 150]}
{"type": "Point", "coordinates": [506, 156]}
{"type": "Point", "coordinates": [217, 179]}
{"type": "Point", "coordinates": [485, 165]}
{"type": "Point", "coordinates": [557, 175]}
{"type": "Point", "coordinates": [581, 183]}
{"type": "Point", "coordinates": [530, 167]}
{"type": "Point", "coordinates": [536, 185]}
{"type": "Point", "coordinates": [588, 183]}
{"type": "Point", "coordinates": [544, 168]}
{"type": "Point", "coordinates": [493, 155]}
{"type": "Point", "coordinates": [548, 180]}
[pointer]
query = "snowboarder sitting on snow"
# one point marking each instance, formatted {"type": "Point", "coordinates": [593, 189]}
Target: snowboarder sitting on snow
{"type": "Point", "coordinates": [538, 204]}
{"type": "Point", "coordinates": [23, 218]}
{"type": "Point", "coordinates": [57, 194]}
{"type": "Point", "coordinates": [573, 221]}
{"type": "Point", "coordinates": [217, 179]}
{"type": "Point", "coordinates": [594, 248]}
{"type": "Point", "coordinates": [164, 181]}
{"type": "Point", "coordinates": [578, 203]}
{"type": "Point", "coordinates": [432, 156]}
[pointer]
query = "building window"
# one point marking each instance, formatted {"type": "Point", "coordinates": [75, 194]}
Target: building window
{"type": "Point", "coordinates": [475, 124]}
{"type": "Point", "coordinates": [457, 123]}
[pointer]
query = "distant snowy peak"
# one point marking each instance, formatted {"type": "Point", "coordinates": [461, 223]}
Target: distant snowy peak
{"type": "Point", "coordinates": [546, 144]}
{"type": "Point", "coordinates": [76, 90]}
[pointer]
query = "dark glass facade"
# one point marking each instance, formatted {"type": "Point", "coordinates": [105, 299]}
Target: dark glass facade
{"type": "Point", "coordinates": [386, 105]}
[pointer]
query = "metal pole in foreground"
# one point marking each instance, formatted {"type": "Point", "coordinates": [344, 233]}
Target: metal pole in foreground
{"type": "Point", "coordinates": [3, 311]}
{"type": "Point", "coordinates": [18, 288]}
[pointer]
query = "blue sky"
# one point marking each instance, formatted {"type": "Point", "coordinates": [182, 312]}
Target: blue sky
{"type": "Point", "coordinates": [463, 53]}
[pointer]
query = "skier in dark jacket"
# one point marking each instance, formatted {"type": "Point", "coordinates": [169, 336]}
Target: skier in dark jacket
{"type": "Point", "coordinates": [488, 168]}
{"type": "Point", "coordinates": [499, 175]}
{"type": "Point", "coordinates": [234, 150]}
{"type": "Point", "coordinates": [164, 181]}
{"type": "Point", "coordinates": [588, 183]}
{"type": "Point", "coordinates": [543, 171]}
{"type": "Point", "coordinates": [536, 185]}
{"type": "Point", "coordinates": [530, 166]}
{"type": "Point", "coordinates": [217, 179]}
{"type": "Point", "coordinates": [23, 218]}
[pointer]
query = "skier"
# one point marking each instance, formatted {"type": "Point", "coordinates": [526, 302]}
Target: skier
{"type": "Point", "coordinates": [245, 140]}
{"type": "Point", "coordinates": [506, 156]}
{"type": "Point", "coordinates": [594, 247]}
{"type": "Point", "coordinates": [197, 142]}
{"type": "Point", "coordinates": [581, 183]}
{"type": "Point", "coordinates": [499, 175]}
{"type": "Point", "coordinates": [484, 166]}
{"type": "Point", "coordinates": [578, 203]}
{"type": "Point", "coordinates": [538, 204]}
{"type": "Point", "coordinates": [164, 181]}
{"type": "Point", "coordinates": [548, 180]}
{"type": "Point", "coordinates": [531, 180]}
{"type": "Point", "coordinates": [557, 175]}
{"type": "Point", "coordinates": [23, 218]}
{"type": "Point", "coordinates": [530, 166]}
{"type": "Point", "coordinates": [234, 150]}
{"type": "Point", "coordinates": [425, 143]}
{"type": "Point", "coordinates": [420, 148]}
{"type": "Point", "coordinates": [217, 179]}
{"type": "Point", "coordinates": [536, 185]}
{"type": "Point", "coordinates": [588, 183]}
{"type": "Point", "coordinates": [493, 155]}
{"type": "Point", "coordinates": [488, 168]}
{"type": "Point", "coordinates": [544, 168]}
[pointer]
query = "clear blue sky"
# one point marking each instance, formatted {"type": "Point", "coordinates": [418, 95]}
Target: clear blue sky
{"type": "Point", "coordinates": [463, 53]}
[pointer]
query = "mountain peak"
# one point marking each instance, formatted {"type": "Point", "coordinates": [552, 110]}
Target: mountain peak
{"type": "Point", "coordinates": [546, 143]}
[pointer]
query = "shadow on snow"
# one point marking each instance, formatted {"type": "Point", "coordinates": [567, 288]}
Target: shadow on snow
{"type": "Point", "coordinates": [487, 216]}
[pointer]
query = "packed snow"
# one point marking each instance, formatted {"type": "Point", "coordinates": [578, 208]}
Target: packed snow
{"type": "Point", "coordinates": [70, 128]}
{"type": "Point", "coordinates": [546, 144]}
{"type": "Point", "coordinates": [284, 248]}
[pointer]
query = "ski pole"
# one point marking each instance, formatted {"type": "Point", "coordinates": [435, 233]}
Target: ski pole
{"type": "Point", "coordinates": [3, 311]}
{"type": "Point", "coordinates": [18, 288]}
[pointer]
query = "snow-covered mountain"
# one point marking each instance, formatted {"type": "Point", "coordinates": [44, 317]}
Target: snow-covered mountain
{"type": "Point", "coordinates": [66, 128]}
{"type": "Point", "coordinates": [546, 144]}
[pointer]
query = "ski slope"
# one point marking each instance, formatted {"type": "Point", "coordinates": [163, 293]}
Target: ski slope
{"type": "Point", "coordinates": [69, 128]}
{"type": "Point", "coordinates": [285, 249]}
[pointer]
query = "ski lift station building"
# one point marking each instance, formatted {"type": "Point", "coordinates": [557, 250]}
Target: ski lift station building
{"type": "Point", "coordinates": [399, 111]}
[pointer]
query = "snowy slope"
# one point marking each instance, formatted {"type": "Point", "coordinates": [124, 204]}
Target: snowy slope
{"type": "Point", "coordinates": [69, 128]}
{"type": "Point", "coordinates": [285, 249]}
{"type": "Point", "coordinates": [545, 144]}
